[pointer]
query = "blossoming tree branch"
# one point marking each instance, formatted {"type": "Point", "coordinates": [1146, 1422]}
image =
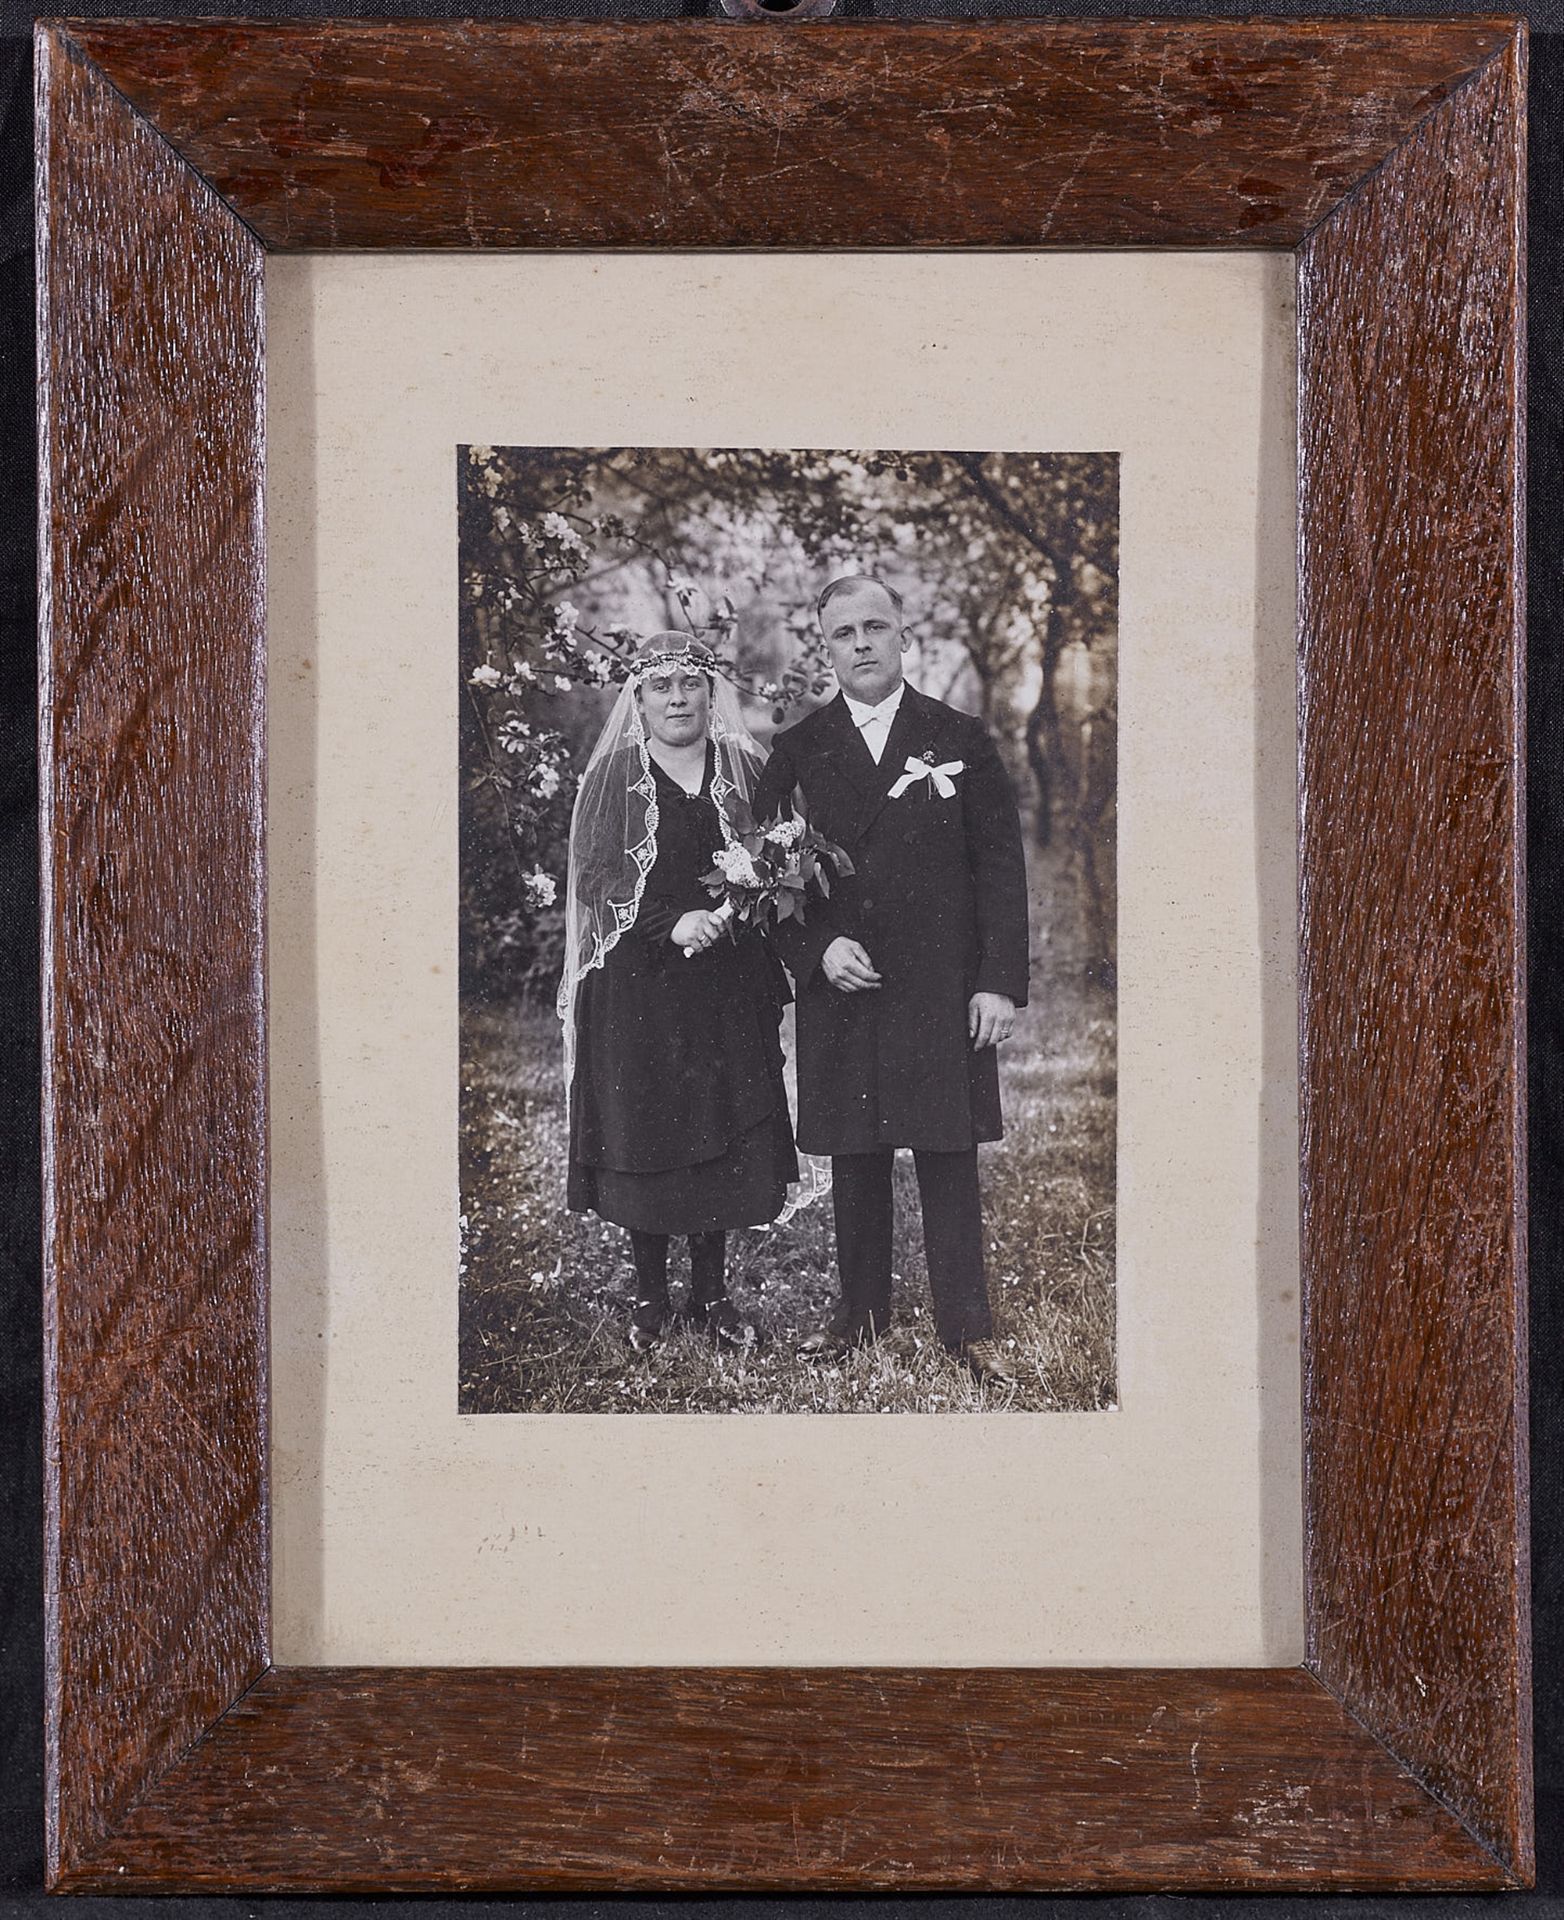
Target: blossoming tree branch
{"type": "Point", "coordinates": [568, 555]}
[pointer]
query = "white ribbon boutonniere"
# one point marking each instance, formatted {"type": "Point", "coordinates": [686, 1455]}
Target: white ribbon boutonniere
{"type": "Point", "coordinates": [944, 777]}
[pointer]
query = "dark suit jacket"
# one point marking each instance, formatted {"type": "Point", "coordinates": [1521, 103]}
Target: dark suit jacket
{"type": "Point", "coordinates": [938, 900]}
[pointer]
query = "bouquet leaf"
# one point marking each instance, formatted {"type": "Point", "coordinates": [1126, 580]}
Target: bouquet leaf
{"type": "Point", "coordinates": [764, 877]}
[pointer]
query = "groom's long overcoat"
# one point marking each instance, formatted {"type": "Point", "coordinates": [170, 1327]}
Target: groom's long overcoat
{"type": "Point", "coordinates": [938, 901]}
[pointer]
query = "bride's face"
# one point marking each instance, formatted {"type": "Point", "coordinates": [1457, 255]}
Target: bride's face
{"type": "Point", "coordinates": [677, 706]}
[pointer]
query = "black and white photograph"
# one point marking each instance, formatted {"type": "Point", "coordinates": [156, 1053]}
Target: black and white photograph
{"type": "Point", "coordinates": [787, 930]}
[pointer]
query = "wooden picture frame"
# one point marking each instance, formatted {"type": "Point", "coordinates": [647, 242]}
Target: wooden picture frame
{"type": "Point", "coordinates": [1389, 156]}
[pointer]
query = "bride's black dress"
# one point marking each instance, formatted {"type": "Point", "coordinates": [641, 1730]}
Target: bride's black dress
{"type": "Point", "coordinates": [679, 1119]}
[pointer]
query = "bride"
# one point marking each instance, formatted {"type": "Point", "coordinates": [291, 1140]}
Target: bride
{"type": "Point", "coordinates": [678, 1114]}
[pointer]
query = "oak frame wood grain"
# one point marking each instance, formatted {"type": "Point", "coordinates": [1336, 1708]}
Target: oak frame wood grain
{"type": "Point", "coordinates": [1390, 157]}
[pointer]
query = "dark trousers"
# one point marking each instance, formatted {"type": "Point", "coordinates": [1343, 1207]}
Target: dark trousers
{"type": "Point", "coordinates": [952, 1242]}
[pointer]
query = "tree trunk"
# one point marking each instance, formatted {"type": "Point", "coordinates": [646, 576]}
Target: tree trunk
{"type": "Point", "coordinates": [1042, 731]}
{"type": "Point", "coordinates": [1086, 818]}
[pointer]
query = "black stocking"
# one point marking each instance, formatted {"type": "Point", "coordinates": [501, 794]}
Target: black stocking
{"type": "Point", "coordinates": [708, 1252]}
{"type": "Point", "coordinates": [651, 1266]}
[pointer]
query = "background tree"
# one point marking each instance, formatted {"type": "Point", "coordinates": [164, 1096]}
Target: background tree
{"type": "Point", "coordinates": [1008, 563]}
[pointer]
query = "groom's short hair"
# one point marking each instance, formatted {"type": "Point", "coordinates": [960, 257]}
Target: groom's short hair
{"type": "Point", "coordinates": [844, 580]}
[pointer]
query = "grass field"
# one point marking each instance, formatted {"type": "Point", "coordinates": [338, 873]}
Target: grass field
{"type": "Point", "coordinates": [545, 1293]}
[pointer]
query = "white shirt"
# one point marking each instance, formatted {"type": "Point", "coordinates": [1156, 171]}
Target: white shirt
{"type": "Point", "coordinates": [874, 723]}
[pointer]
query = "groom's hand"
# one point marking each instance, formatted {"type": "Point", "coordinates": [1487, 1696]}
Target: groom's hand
{"type": "Point", "coordinates": [848, 968]}
{"type": "Point", "coordinates": [991, 1017]}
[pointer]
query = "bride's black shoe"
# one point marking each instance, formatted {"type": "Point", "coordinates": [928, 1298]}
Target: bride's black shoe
{"type": "Point", "coordinates": [647, 1323]}
{"type": "Point", "coordinates": [724, 1325]}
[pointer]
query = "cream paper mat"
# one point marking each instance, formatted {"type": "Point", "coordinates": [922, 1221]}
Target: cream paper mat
{"type": "Point", "coordinates": [1166, 1532]}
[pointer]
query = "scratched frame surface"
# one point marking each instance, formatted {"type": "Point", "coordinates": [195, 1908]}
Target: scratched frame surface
{"type": "Point", "coordinates": [1389, 156]}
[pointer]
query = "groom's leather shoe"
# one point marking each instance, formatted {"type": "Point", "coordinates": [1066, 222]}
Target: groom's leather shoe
{"type": "Point", "coordinates": [827, 1344]}
{"type": "Point", "coordinates": [900, 1341]}
{"type": "Point", "coordinates": [989, 1364]}
{"type": "Point", "coordinates": [841, 1337]}
{"type": "Point", "coordinates": [837, 1337]}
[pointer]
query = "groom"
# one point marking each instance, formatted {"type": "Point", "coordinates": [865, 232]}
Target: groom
{"type": "Point", "coordinates": [909, 976]}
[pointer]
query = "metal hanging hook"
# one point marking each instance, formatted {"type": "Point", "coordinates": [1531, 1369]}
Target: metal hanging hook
{"type": "Point", "coordinates": [778, 11]}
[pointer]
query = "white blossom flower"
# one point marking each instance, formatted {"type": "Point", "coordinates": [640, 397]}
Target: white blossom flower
{"type": "Point", "coordinates": [522, 672]}
{"type": "Point", "coordinates": [558, 528]}
{"type": "Point", "coordinates": [786, 833]}
{"type": "Point", "coordinates": [737, 866]}
{"type": "Point", "coordinates": [546, 784]}
{"type": "Point", "coordinates": [598, 670]}
{"type": "Point", "coordinates": [541, 891]}
{"type": "Point", "coordinates": [562, 683]}
{"type": "Point", "coordinates": [566, 618]}
{"type": "Point", "coordinates": [484, 676]}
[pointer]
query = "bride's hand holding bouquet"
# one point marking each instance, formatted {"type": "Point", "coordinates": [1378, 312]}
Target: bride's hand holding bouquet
{"type": "Point", "coordinates": [766, 875]}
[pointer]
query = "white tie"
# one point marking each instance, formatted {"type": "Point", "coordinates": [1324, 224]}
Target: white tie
{"type": "Point", "coordinates": [876, 731]}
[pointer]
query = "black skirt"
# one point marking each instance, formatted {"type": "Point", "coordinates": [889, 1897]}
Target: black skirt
{"type": "Point", "coordinates": [744, 1187]}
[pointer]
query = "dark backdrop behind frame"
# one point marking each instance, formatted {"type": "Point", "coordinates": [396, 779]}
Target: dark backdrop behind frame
{"type": "Point", "coordinates": [1410, 598]}
{"type": "Point", "coordinates": [96, 1711]}
{"type": "Point", "coordinates": [20, 1689]}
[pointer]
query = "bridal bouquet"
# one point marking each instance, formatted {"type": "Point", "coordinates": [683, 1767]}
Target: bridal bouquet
{"type": "Point", "coordinates": [763, 876]}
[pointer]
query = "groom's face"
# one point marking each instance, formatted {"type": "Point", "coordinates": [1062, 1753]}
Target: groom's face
{"type": "Point", "coordinates": [865, 640]}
